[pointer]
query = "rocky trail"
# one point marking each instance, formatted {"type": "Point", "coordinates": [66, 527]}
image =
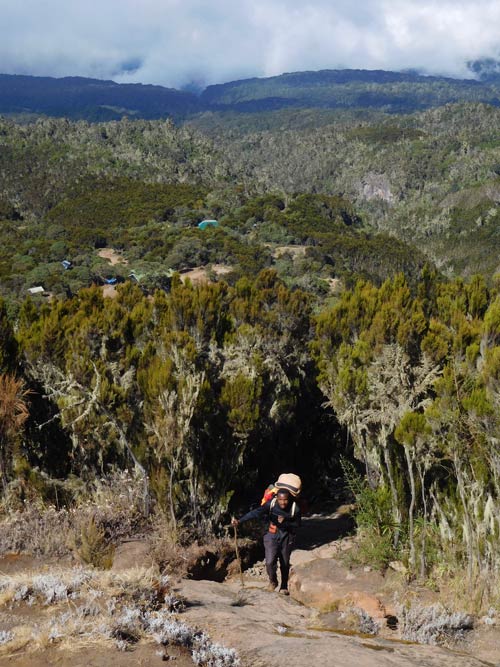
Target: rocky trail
{"type": "Point", "coordinates": [335, 615]}
{"type": "Point", "coordinates": [321, 623]}
{"type": "Point", "coordinates": [268, 629]}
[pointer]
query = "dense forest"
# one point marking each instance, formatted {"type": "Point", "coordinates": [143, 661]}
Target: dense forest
{"type": "Point", "coordinates": [341, 317]}
{"type": "Point", "coordinates": [210, 388]}
{"type": "Point", "coordinates": [427, 178]}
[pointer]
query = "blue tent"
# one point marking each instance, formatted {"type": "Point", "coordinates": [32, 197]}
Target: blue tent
{"type": "Point", "coordinates": [110, 281]}
{"type": "Point", "coordinates": [208, 223]}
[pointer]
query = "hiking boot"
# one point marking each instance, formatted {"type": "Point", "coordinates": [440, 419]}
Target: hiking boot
{"type": "Point", "coordinates": [271, 586]}
{"type": "Point", "coordinates": [284, 591]}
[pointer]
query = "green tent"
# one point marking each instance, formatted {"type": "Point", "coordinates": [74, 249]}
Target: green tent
{"type": "Point", "coordinates": [208, 223]}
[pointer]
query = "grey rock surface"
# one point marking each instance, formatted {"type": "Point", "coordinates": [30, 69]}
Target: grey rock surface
{"type": "Point", "coordinates": [269, 629]}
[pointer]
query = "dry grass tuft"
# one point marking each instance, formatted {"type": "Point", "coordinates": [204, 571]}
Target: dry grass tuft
{"type": "Point", "coordinates": [241, 600]}
{"type": "Point", "coordinates": [92, 545]}
{"type": "Point", "coordinates": [109, 510]}
{"type": "Point", "coordinates": [16, 640]}
{"type": "Point", "coordinates": [93, 607]}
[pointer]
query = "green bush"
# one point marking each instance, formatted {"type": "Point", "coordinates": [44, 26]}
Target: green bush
{"type": "Point", "coordinates": [373, 515]}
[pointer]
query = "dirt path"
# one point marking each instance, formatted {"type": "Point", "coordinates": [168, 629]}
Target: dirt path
{"type": "Point", "coordinates": [267, 628]}
{"type": "Point", "coordinates": [322, 529]}
{"type": "Point", "coordinates": [112, 256]}
{"type": "Point", "coordinates": [201, 274]}
{"type": "Point", "coordinates": [142, 655]}
{"type": "Point", "coordinates": [292, 250]}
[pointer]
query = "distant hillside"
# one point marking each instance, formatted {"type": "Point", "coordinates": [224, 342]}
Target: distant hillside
{"type": "Point", "coordinates": [399, 92]}
{"type": "Point", "coordinates": [430, 178]}
{"type": "Point", "coordinates": [95, 100]}
{"type": "Point", "coordinates": [91, 99]}
{"type": "Point", "coordinates": [139, 189]}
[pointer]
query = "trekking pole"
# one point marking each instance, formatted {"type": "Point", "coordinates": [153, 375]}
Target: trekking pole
{"type": "Point", "coordinates": [238, 555]}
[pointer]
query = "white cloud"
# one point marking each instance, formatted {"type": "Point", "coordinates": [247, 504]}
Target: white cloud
{"type": "Point", "coordinates": [171, 42]}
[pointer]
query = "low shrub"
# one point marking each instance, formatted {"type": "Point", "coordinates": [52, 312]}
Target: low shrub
{"type": "Point", "coordinates": [105, 511]}
{"type": "Point", "coordinates": [433, 625]}
{"type": "Point", "coordinates": [373, 515]}
{"type": "Point", "coordinates": [92, 545]}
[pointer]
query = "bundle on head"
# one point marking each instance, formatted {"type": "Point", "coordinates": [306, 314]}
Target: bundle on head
{"type": "Point", "coordinates": [289, 482]}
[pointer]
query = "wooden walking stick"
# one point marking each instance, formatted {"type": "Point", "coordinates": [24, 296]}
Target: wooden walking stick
{"type": "Point", "coordinates": [238, 554]}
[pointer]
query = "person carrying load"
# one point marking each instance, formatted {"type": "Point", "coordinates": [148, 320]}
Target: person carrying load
{"type": "Point", "coordinates": [284, 517]}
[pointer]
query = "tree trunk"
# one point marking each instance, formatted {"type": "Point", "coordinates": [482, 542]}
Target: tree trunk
{"type": "Point", "coordinates": [467, 521]}
{"type": "Point", "coordinates": [411, 522]}
{"type": "Point", "coordinates": [146, 495]}
{"type": "Point", "coordinates": [171, 499]}
{"type": "Point", "coordinates": [423, 544]}
{"type": "Point", "coordinates": [394, 493]}
{"type": "Point", "coordinates": [3, 472]}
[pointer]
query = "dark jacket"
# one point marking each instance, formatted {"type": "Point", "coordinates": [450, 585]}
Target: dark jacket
{"type": "Point", "coordinates": [289, 525]}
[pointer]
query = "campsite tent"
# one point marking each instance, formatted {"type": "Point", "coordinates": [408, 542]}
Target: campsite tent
{"type": "Point", "coordinates": [208, 223]}
{"type": "Point", "coordinates": [36, 290]}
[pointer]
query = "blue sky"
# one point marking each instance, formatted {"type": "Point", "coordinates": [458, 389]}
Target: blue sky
{"type": "Point", "coordinates": [174, 42]}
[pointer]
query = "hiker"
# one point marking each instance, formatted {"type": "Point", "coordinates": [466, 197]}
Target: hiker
{"type": "Point", "coordinates": [284, 519]}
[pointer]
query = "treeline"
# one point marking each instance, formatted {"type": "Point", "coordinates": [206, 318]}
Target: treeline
{"type": "Point", "coordinates": [395, 92]}
{"type": "Point", "coordinates": [211, 390]}
{"type": "Point", "coordinates": [95, 100]}
{"type": "Point", "coordinates": [90, 99]}
{"type": "Point", "coordinates": [206, 390]}
{"type": "Point", "coordinates": [415, 379]}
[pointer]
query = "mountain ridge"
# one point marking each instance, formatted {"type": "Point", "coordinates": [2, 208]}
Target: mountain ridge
{"type": "Point", "coordinates": [91, 99]}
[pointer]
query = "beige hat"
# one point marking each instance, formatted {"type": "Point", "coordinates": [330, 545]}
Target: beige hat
{"type": "Point", "coordinates": [290, 482]}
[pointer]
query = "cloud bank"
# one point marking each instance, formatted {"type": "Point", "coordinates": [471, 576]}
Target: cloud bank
{"type": "Point", "coordinates": [175, 42]}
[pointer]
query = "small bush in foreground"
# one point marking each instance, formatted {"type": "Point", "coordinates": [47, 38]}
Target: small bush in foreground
{"type": "Point", "coordinates": [376, 528]}
{"type": "Point", "coordinates": [434, 624]}
{"type": "Point", "coordinates": [92, 546]}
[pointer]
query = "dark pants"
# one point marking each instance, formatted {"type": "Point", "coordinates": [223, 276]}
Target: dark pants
{"type": "Point", "coordinates": [278, 546]}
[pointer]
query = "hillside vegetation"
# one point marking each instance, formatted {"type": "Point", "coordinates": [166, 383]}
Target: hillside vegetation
{"type": "Point", "coordinates": [70, 189]}
{"type": "Point", "coordinates": [397, 92]}
{"type": "Point", "coordinates": [206, 386]}
{"type": "Point", "coordinates": [90, 99]}
{"type": "Point", "coordinates": [355, 323]}
{"type": "Point", "coordinates": [429, 178]}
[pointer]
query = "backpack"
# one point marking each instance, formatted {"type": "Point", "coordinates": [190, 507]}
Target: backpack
{"type": "Point", "coordinates": [290, 482]}
{"type": "Point", "coordinates": [269, 494]}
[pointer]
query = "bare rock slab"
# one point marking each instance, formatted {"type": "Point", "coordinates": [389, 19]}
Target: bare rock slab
{"type": "Point", "coordinates": [326, 584]}
{"type": "Point", "coordinates": [268, 629]}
